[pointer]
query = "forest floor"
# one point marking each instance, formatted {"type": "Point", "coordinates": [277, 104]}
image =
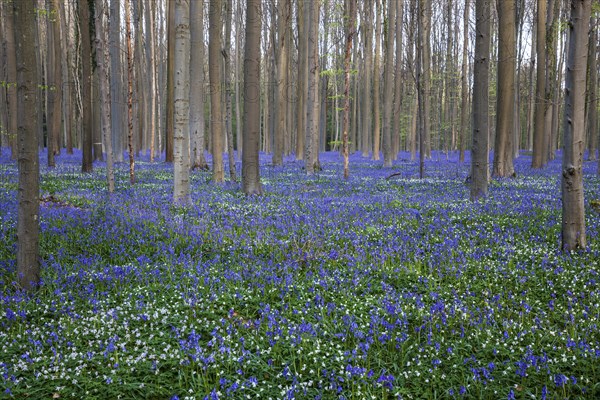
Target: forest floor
{"type": "Point", "coordinates": [370, 288]}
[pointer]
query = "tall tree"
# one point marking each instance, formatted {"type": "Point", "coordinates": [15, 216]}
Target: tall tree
{"type": "Point", "coordinates": [103, 54]}
{"type": "Point", "coordinates": [86, 83]}
{"type": "Point", "coordinates": [503, 152]}
{"type": "Point", "coordinates": [591, 109]}
{"type": "Point", "coordinates": [216, 85]}
{"type": "Point", "coordinates": [181, 137]}
{"type": "Point", "coordinates": [302, 79]}
{"type": "Point", "coordinates": [129, 53]}
{"type": "Point", "coordinates": [425, 20]}
{"type": "Point", "coordinates": [11, 77]}
{"type": "Point", "coordinates": [54, 71]}
{"type": "Point", "coordinates": [350, 19]}
{"type": "Point", "coordinates": [151, 72]}
{"type": "Point", "coordinates": [388, 93]}
{"type": "Point", "coordinates": [377, 83]}
{"type": "Point", "coordinates": [398, 81]}
{"type": "Point", "coordinates": [116, 85]}
{"type": "Point", "coordinates": [539, 150]}
{"type": "Point", "coordinates": [250, 164]}
{"type": "Point", "coordinates": [170, 122]}
{"type": "Point", "coordinates": [28, 265]}
{"type": "Point", "coordinates": [284, 15]}
{"type": "Point", "coordinates": [479, 151]}
{"type": "Point", "coordinates": [197, 89]}
{"type": "Point", "coordinates": [311, 155]}
{"type": "Point", "coordinates": [464, 86]}
{"type": "Point", "coordinates": [367, 25]}
{"type": "Point", "coordinates": [573, 209]}
{"type": "Point", "coordinates": [228, 89]}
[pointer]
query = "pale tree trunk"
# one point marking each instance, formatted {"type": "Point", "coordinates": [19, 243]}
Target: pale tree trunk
{"type": "Point", "coordinates": [388, 92]}
{"type": "Point", "coordinates": [215, 76]}
{"type": "Point", "coordinates": [129, 92]}
{"type": "Point", "coordinates": [398, 82]}
{"type": "Point", "coordinates": [503, 152]}
{"type": "Point", "coordinates": [284, 16]}
{"type": "Point", "coordinates": [116, 97]}
{"type": "Point", "coordinates": [539, 150]}
{"type": "Point", "coordinates": [312, 100]}
{"type": "Point", "coordinates": [103, 57]}
{"type": "Point", "coordinates": [141, 86]}
{"type": "Point", "coordinates": [86, 83]}
{"type": "Point", "coordinates": [592, 103]}
{"type": "Point", "coordinates": [181, 137]}
{"type": "Point", "coordinates": [573, 209]}
{"type": "Point", "coordinates": [170, 105]}
{"type": "Point", "coordinates": [197, 89]}
{"type": "Point", "coordinates": [238, 66]}
{"type": "Point", "coordinates": [11, 76]}
{"type": "Point", "coordinates": [250, 164]}
{"type": "Point", "coordinates": [350, 18]}
{"type": "Point", "coordinates": [54, 83]}
{"type": "Point", "coordinates": [464, 87]}
{"type": "Point", "coordinates": [28, 228]}
{"type": "Point", "coordinates": [368, 46]}
{"type": "Point", "coordinates": [425, 16]}
{"type": "Point", "coordinates": [302, 79]}
{"type": "Point", "coordinates": [551, 73]}
{"type": "Point", "coordinates": [479, 151]}
{"type": "Point", "coordinates": [420, 117]}
{"type": "Point", "coordinates": [376, 84]}
{"type": "Point", "coordinates": [228, 89]}
{"type": "Point", "coordinates": [151, 72]}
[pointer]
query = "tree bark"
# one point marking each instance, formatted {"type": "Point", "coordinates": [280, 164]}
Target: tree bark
{"type": "Point", "coordinates": [170, 106]}
{"type": "Point", "coordinates": [312, 114]}
{"type": "Point", "coordinates": [28, 265]}
{"type": "Point", "coordinates": [464, 108]}
{"type": "Point", "coordinates": [503, 152]}
{"type": "Point", "coordinates": [129, 92]}
{"type": "Point", "coordinates": [181, 137]}
{"type": "Point", "coordinates": [539, 159]}
{"type": "Point", "coordinates": [216, 84]}
{"type": "Point", "coordinates": [103, 57]}
{"type": "Point", "coordinates": [302, 79]}
{"type": "Point", "coordinates": [592, 92]}
{"type": "Point", "coordinates": [228, 89]}
{"type": "Point", "coordinates": [398, 82]}
{"type": "Point", "coordinates": [116, 85]}
{"type": "Point", "coordinates": [54, 84]}
{"type": "Point", "coordinates": [368, 46]}
{"type": "Point", "coordinates": [377, 84]}
{"type": "Point", "coordinates": [573, 209]}
{"type": "Point", "coordinates": [388, 92]}
{"type": "Point", "coordinates": [197, 89]}
{"type": "Point", "coordinates": [479, 152]}
{"type": "Point", "coordinates": [282, 81]}
{"type": "Point", "coordinates": [11, 77]}
{"type": "Point", "coordinates": [251, 184]}
{"type": "Point", "coordinates": [350, 32]}
{"type": "Point", "coordinates": [86, 83]}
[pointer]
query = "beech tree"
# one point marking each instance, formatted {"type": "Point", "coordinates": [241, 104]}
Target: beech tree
{"type": "Point", "coordinates": [28, 264]}
{"type": "Point", "coordinates": [479, 150]}
{"type": "Point", "coordinates": [216, 85]}
{"type": "Point", "coordinates": [388, 91]}
{"type": "Point", "coordinates": [350, 19]}
{"type": "Point", "coordinates": [251, 184]}
{"type": "Point", "coordinates": [573, 209]}
{"type": "Point", "coordinates": [539, 159]}
{"type": "Point", "coordinates": [181, 134]}
{"type": "Point", "coordinates": [86, 84]}
{"type": "Point", "coordinates": [197, 89]}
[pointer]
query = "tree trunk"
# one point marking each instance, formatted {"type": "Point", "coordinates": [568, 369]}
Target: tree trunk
{"type": "Point", "coordinates": [479, 156]}
{"type": "Point", "coordinates": [503, 152]}
{"type": "Point", "coordinates": [28, 264]}
{"type": "Point", "coordinates": [250, 163]}
{"type": "Point", "coordinates": [197, 89]}
{"type": "Point", "coordinates": [54, 84]}
{"type": "Point", "coordinates": [11, 76]}
{"type": "Point", "coordinates": [302, 79]}
{"type": "Point", "coordinates": [181, 137]}
{"type": "Point", "coordinates": [539, 150]}
{"type": "Point", "coordinates": [350, 19]}
{"type": "Point", "coordinates": [215, 76]}
{"type": "Point", "coordinates": [129, 92]}
{"type": "Point", "coordinates": [425, 15]}
{"type": "Point", "coordinates": [388, 92]}
{"type": "Point", "coordinates": [376, 84]}
{"type": "Point", "coordinates": [464, 91]}
{"type": "Point", "coordinates": [312, 114]}
{"type": "Point", "coordinates": [103, 57]}
{"type": "Point", "coordinates": [573, 210]}
{"type": "Point", "coordinates": [151, 78]}
{"type": "Point", "coordinates": [170, 106]}
{"type": "Point", "coordinates": [86, 83]}
{"type": "Point", "coordinates": [368, 46]}
{"type": "Point", "coordinates": [592, 103]}
{"type": "Point", "coordinates": [228, 89]}
{"type": "Point", "coordinates": [282, 81]}
{"type": "Point", "coordinates": [398, 82]}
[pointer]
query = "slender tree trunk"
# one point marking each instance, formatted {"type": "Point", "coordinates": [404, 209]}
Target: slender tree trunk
{"type": "Point", "coordinates": [396, 131]}
{"type": "Point", "coordinates": [228, 89]}
{"type": "Point", "coordinates": [464, 108]}
{"type": "Point", "coordinates": [376, 84]}
{"type": "Point", "coordinates": [250, 163]}
{"type": "Point", "coordinates": [54, 84]}
{"type": "Point", "coordinates": [170, 106]}
{"type": "Point", "coordinates": [503, 152]}
{"type": "Point", "coordinates": [238, 67]}
{"type": "Point", "coordinates": [539, 151]}
{"type": "Point", "coordinates": [573, 209]}
{"type": "Point", "coordinates": [350, 32]}
{"type": "Point", "coordinates": [11, 75]}
{"type": "Point", "coordinates": [103, 57]}
{"type": "Point", "coordinates": [197, 89]}
{"type": "Point", "coordinates": [368, 46]}
{"type": "Point", "coordinates": [151, 72]}
{"type": "Point", "coordinates": [215, 76]}
{"type": "Point", "coordinates": [592, 103]}
{"type": "Point", "coordinates": [302, 79]}
{"type": "Point", "coordinates": [282, 81]}
{"type": "Point", "coordinates": [86, 83]}
{"type": "Point", "coordinates": [312, 115]}
{"type": "Point", "coordinates": [388, 91]}
{"type": "Point", "coordinates": [28, 264]}
{"type": "Point", "coordinates": [116, 97]}
{"type": "Point", "coordinates": [129, 92]}
{"type": "Point", "coordinates": [181, 138]}
{"type": "Point", "coordinates": [425, 15]}
{"type": "Point", "coordinates": [479, 156]}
